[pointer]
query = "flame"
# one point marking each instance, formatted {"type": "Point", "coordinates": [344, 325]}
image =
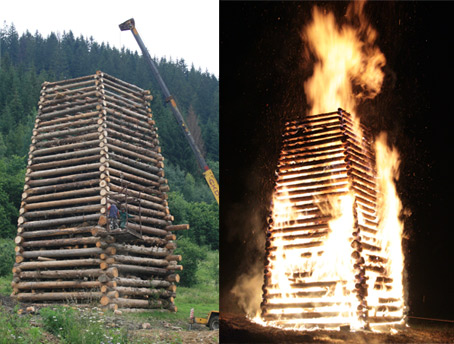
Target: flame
{"type": "Point", "coordinates": [346, 59]}
{"type": "Point", "coordinates": [323, 277]}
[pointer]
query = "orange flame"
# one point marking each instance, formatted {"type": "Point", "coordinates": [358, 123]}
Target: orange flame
{"type": "Point", "coordinates": [346, 59]}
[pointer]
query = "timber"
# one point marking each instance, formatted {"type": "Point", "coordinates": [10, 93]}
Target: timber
{"type": "Point", "coordinates": [58, 284]}
{"type": "Point", "coordinates": [75, 273]}
{"type": "Point", "coordinates": [58, 296]}
{"type": "Point", "coordinates": [95, 144]}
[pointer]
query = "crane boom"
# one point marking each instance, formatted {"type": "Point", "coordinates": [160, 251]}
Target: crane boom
{"type": "Point", "coordinates": [207, 173]}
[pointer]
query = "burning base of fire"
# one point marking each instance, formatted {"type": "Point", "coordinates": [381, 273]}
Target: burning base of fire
{"type": "Point", "coordinates": [333, 252]}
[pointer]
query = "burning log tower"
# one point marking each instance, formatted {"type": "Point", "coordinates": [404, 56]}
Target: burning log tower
{"type": "Point", "coordinates": [329, 256]}
{"type": "Point", "coordinates": [95, 144]}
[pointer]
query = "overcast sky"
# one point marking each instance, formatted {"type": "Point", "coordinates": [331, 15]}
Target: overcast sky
{"type": "Point", "coordinates": [187, 29]}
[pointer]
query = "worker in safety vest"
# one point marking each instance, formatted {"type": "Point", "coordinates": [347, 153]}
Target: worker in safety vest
{"type": "Point", "coordinates": [124, 216]}
{"type": "Point", "coordinates": [113, 216]}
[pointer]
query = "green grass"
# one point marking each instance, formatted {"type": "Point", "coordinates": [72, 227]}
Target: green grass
{"type": "Point", "coordinates": [17, 329]}
{"type": "Point", "coordinates": [5, 285]}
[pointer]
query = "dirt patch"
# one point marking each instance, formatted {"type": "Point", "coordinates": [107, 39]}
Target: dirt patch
{"type": "Point", "coordinates": [7, 302]}
{"type": "Point", "coordinates": [236, 328]}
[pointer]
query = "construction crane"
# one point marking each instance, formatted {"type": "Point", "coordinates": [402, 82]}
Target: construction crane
{"type": "Point", "coordinates": [208, 174]}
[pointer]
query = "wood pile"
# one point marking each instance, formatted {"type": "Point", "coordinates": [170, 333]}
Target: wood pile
{"type": "Point", "coordinates": [322, 159]}
{"type": "Point", "coordinates": [95, 144]}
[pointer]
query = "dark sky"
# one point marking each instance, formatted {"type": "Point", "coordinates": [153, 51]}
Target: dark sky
{"type": "Point", "coordinates": [262, 74]}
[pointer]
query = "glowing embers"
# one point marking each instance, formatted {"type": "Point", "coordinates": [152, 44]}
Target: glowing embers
{"type": "Point", "coordinates": [328, 256]}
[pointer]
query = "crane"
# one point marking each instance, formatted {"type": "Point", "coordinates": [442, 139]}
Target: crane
{"type": "Point", "coordinates": [207, 172]}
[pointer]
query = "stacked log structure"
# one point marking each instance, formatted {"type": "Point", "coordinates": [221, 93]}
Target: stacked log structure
{"type": "Point", "coordinates": [321, 159]}
{"type": "Point", "coordinates": [95, 143]}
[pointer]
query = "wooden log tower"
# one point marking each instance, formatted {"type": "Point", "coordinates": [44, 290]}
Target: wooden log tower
{"type": "Point", "coordinates": [94, 144]}
{"type": "Point", "coordinates": [321, 159]}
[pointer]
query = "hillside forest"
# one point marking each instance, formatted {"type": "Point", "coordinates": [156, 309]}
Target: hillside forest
{"type": "Point", "coordinates": [27, 60]}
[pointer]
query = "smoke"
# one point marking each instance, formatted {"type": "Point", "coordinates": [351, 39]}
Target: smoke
{"type": "Point", "coordinates": [248, 290]}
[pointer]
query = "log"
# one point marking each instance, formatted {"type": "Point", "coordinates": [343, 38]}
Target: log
{"type": "Point", "coordinates": [136, 210]}
{"type": "Point", "coordinates": [62, 221]}
{"type": "Point", "coordinates": [62, 242]}
{"type": "Point", "coordinates": [66, 132]}
{"type": "Point", "coordinates": [146, 229]}
{"type": "Point", "coordinates": [141, 261]}
{"type": "Point", "coordinates": [65, 202]}
{"type": "Point", "coordinates": [66, 253]}
{"type": "Point", "coordinates": [148, 200]}
{"type": "Point", "coordinates": [154, 241]}
{"type": "Point", "coordinates": [133, 303]}
{"type": "Point", "coordinates": [135, 155]}
{"type": "Point", "coordinates": [151, 146]}
{"type": "Point", "coordinates": [174, 267]}
{"type": "Point", "coordinates": [126, 103]}
{"type": "Point", "coordinates": [173, 278]}
{"type": "Point", "coordinates": [150, 220]}
{"type": "Point", "coordinates": [67, 147]}
{"type": "Point", "coordinates": [60, 183]}
{"type": "Point", "coordinates": [148, 270]}
{"type": "Point", "coordinates": [57, 285]}
{"type": "Point", "coordinates": [71, 110]}
{"type": "Point", "coordinates": [162, 293]}
{"type": "Point", "coordinates": [148, 251]}
{"type": "Point", "coordinates": [67, 140]}
{"type": "Point", "coordinates": [143, 151]}
{"type": "Point", "coordinates": [56, 232]}
{"type": "Point", "coordinates": [51, 84]}
{"type": "Point", "coordinates": [79, 191]}
{"type": "Point", "coordinates": [136, 282]}
{"type": "Point", "coordinates": [58, 296]}
{"type": "Point", "coordinates": [130, 87]}
{"type": "Point", "coordinates": [59, 264]}
{"type": "Point", "coordinates": [63, 211]}
{"type": "Point", "coordinates": [129, 112]}
{"type": "Point", "coordinates": [129, 177]}
{"type": "Point", "coordinates": [64, 170]}
{"type": "Point", "coordinates": [61, 274]}
{"type": "Point", "coordinates": [60, 157]}
{"type": "Point", "coordinates": [66, 119]}
{"type": "Point", "coordinates": [137, 172]}
{"type": "Point", "coordinates": [147, 168]}
{"type": "Point", "coordinates": [173, 257]}
{"type": "Point", "coordinates": [68, 84]}
{"type": "Point", "coordinates": [139, 129]}
{"type": "Point", "coordinates": [122, 90]}
{"type": "Point", "coordinates": [70, 122]}
{"type": "Point", "coordinates": [177, 227]}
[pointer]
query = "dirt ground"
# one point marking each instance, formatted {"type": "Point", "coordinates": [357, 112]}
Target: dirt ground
{"type": "Point", "coordinates": [235, 328]}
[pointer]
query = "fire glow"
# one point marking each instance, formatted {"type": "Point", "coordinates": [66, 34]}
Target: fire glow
{"type": "Point", "coordinates": [334, 254]}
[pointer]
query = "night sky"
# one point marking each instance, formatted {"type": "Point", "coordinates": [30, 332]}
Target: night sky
{"type": "Point", "coordinates": [262, 74]}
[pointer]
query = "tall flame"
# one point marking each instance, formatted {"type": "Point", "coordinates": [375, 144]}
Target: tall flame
{"type": "Point", "coordinates": [346, 60]}
{"type": "Point", "coordinates": [347, 70]}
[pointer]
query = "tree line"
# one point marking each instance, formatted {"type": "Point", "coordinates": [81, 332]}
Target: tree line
{"type": "Point", "coordinates": [27, 60]}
